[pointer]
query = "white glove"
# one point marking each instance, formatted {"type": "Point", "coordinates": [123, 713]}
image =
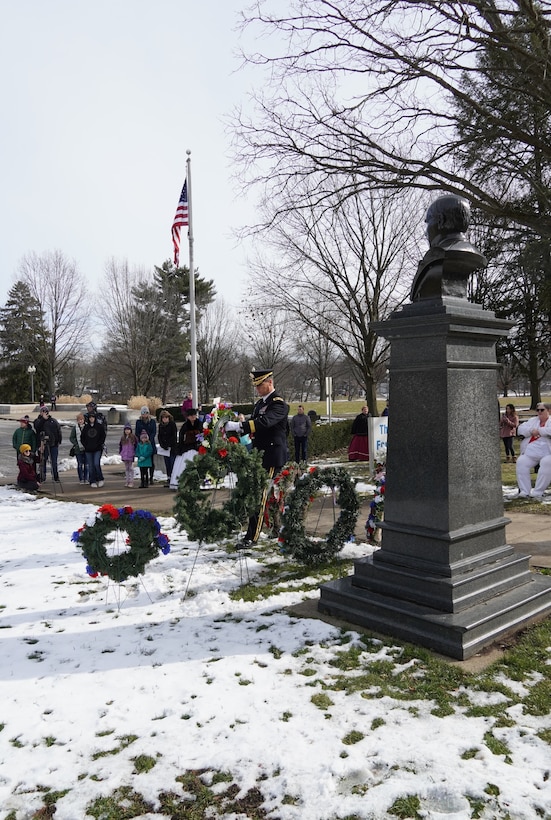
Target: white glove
{"type": "Point", "coordinates": [232, 427]}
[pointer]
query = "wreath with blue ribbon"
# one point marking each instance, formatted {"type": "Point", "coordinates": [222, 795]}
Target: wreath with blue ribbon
{"type": "Point", "coordinates": [293, 539]}
{"type": "Point", "coordinates": [144, 540]}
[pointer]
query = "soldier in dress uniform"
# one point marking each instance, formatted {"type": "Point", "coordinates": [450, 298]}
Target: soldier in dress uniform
{"type": "Point", "coordinates": [267, 428]}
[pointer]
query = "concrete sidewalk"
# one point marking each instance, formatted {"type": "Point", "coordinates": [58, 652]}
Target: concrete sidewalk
{"type": "Point", "coordinates": [528, 533]}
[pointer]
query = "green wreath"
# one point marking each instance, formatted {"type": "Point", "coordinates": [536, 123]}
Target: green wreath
{"type": "Point", "coordinates": [193, 508]}
{"type": "Point", "coordinates": [145, 540]}
{"type": "Point", "coordinates": [293, 539]}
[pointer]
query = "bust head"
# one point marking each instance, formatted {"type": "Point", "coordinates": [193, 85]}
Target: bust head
{"type": "Point", "coordinates": [448, 215]}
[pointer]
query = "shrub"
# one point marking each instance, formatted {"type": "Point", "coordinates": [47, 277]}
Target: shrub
{"type": "Point", "coordinates": [153, 402]}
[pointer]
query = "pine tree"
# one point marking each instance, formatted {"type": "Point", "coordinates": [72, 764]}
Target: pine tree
{"type": "Point", "coordinates": [24, 341]}
{"type": "Point", "coordinates": [172, 290]}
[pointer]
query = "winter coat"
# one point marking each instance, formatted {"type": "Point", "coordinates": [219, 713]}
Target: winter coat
{"type": "Point", "coordinates": [360, 425]}
{"type": "Point", "coordinates": [127, 448]}
{"type": "Point", "coordinates": [92, 437]}
{"type": "Point", "coordinates": [187, 437]}
{"type": "Point", "coordinates": [168, 436]}
{"type": "Point", "coordinates": [48, 427]}
{"type": "Point", "coordinates": [508, 425]}
{"type": "Point", "coordinates": [144, 454]}
{"type": "Point", "coordinates": [27, 468]}
{"type": "Point", "coordinates": [300, 425]}
{"type": "Point", "coordinates": [24, 435]}
{"type": "Point", "coordinates": [150, 428]}
{"type": "Point", "coordinates": [74, 438]}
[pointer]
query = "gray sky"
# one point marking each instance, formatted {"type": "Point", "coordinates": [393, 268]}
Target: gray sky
{"type": "Point", "coordinates": [99, 103]}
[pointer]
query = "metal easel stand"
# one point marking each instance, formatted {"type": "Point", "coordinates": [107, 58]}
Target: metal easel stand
{"type": "Point", "coordinates": [45, 456]}
{"type": "Point", "coordinates": [117, 587]}
{"type": "Point", "coordinates": [243, 565]}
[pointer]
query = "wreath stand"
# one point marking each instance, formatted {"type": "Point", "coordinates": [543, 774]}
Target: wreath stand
{"type": "Point", "coordinates": [203, 522]}
{"type": "Point", "coordinates": [116, 545]}
{"type": "Point", "coordinates": [243, 565]}
{"type": "Point", "coordinates": [293, 539]}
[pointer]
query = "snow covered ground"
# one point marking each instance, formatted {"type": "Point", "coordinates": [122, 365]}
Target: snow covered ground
{"type": "Point", "coordinates": [170, 667]}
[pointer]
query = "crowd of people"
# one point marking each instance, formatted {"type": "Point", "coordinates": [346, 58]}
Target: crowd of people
{"type": "Point", "coordinates": [36, 443]}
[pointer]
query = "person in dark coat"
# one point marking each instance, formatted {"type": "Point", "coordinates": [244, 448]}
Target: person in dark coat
{"type": "Point", "coordinates": [300, 429]}
{"type": "Point", "coordinates": [168, 440]}
{"type": "Point", "coordinates": [92, 407]}
{"type": "Point", "coordinates": [49, 437]}
{"type": "Point", "coordinates": [358, 449]}
{"type": "Point", "coordinates": [190, 429]}
{"type": "Point", "coordinates": [92, 438]}
{"type": "Point", "coordinates": [148, 423]}
{"type": "Point", "coordinates": [267, 428]}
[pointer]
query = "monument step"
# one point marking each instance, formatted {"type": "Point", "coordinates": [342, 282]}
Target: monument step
{"type": "Point", "coordinates": [445, 593]}
{"type": "Point", "coordinates": [459, 635]}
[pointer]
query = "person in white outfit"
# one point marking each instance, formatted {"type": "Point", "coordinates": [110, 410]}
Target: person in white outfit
{"type": "Point", "coordinates": [535, 449]}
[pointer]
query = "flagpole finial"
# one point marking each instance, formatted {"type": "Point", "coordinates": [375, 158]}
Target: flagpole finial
{"type": "Point", "coordinates": [188, 152]}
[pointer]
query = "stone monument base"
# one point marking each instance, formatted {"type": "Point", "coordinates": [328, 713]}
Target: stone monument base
{"type": "Point", "coordinates": [458, 635]}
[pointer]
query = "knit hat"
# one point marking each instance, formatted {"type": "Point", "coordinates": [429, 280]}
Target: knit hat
{"type": "Point", "coordinates": [25, 448]}
{"type": "Point", "coordinates": [144, 410]}
{"type": "Point", "coordinates": [143, 434]}
{"type": "Point", "coordinates": [128, 427]}
{"type": "Point", "coordinates": [26, 419]}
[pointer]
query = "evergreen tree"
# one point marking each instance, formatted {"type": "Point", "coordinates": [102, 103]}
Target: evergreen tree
{"type": "Point", "coordinates": [172, 302]}
{"type": "Point", "coordinates": [24, 341]}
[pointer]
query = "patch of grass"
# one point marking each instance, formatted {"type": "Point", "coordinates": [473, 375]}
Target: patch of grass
{"type": "Point", "coordinates": [376, 722]}
{"type": "Point", "coordinates": [286, 717]}
{"type": "Point", "coordinates": [143, 763]}
{"type": "Point", "coordinates": [124, 742]}
{"type": "Point", "coordinates": [322, 701]}
{"type": "Point", "coordinates": [492, 790]}
{"type": "Point", "coordinates": [406, 807]}
{"type": "Point", "coordinates": [277, 579]}
{"type": "Point", "coordinates": [353, 737]}
{"type": "Point", "coordinates": [123, 804]}
{"type": "Point", "coordinates": [477, 806]}
{"type": "Point", "coordinates": [469, 754]}
{"type": "Point", "coordinates": [497, 747]}
{"type": "Point", "coordinates": [202, 801]}
{"type": "Point", "coordinates": [277, 653]}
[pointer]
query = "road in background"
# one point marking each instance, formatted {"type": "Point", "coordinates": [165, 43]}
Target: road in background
{"type": "Point", "coordinates": [8, 467]}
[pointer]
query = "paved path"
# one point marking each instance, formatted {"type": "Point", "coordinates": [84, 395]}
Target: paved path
{"type": "Point", "coordinates": [528, 532]}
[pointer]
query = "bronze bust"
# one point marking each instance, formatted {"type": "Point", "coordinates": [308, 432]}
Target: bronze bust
{"type": "Point", "coordinates": [445, 268]}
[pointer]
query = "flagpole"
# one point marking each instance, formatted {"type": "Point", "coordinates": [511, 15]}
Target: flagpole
{"type": "Point", "coordinates": [192, 316]}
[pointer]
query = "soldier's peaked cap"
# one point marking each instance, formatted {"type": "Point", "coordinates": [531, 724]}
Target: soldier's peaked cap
{"type": "Point", "coordinates": [259, 376]}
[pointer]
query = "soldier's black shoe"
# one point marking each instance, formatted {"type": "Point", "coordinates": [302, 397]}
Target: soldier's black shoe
{"type": "Point", "coordinates": [244, 544]}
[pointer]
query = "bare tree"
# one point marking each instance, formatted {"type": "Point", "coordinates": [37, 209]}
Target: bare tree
{"type": "Point", "coordinates": [376, 93]}
{"type": "Point", "coordinates": [216, 347]}
{"type": "Point", "coordinates": [133, 326]}
{"type": "Point", "coordinates": [58, 286]}
{"type": "Point", "coordinates": [340, 270]}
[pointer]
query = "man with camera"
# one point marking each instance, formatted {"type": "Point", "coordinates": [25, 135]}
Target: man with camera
{"type": "Point", "coordinates": [48, 433]}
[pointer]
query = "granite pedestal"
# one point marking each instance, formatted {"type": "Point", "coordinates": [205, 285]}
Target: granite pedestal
{"type": "Point", "coordinates": [444, 577]}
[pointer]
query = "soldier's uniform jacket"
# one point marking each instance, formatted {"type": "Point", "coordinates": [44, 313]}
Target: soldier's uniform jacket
{"type": "Point", "coordinates": [268, 430]}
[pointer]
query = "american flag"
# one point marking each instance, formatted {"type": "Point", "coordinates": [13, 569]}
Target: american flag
{"type": "Point", "coordinates": [181, 219]}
